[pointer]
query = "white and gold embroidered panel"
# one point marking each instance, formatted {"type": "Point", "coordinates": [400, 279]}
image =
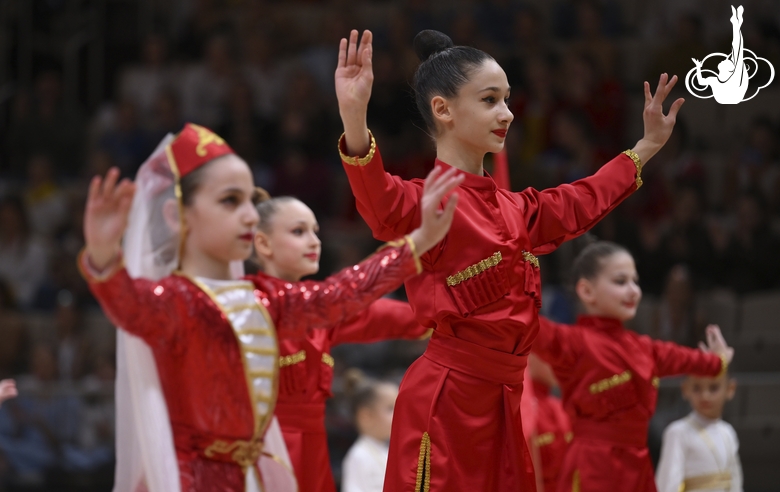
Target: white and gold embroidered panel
{"type": "Point", "coordinates": [256, 337]}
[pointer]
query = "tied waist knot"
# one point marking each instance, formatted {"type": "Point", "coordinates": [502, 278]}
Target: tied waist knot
{"type": "Point", "coordinates": [244, 453]}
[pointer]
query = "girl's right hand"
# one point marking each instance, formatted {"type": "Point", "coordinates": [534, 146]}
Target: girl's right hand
{"type": "Point", "coordinates": [105, 217]}
{"type": "Point", "coordinates": [354, 78]}
{"type": "Point", "coordinates": [436, 223]}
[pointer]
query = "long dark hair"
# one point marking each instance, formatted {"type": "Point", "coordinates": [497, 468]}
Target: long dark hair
{"type": "Point", "coordinates": [443, 70]}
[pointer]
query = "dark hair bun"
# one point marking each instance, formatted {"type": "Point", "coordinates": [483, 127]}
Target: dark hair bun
{"type": "Point", "coordinates": [430, 42]}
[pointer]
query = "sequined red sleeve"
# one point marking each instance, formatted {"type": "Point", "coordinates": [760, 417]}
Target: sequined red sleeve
{"type": "Point", "coordinates": [297, 307]}
{"type": "Point", "coordinates": [558, 214]}
{"type": "Point", "coordinates": [672, 360]}
{"type": "Point", "coordinates": [138, 306]}
{"type": "Point", "coordinates": [387, 203]}
{"type": "Point", "coordinates": [384, 319]}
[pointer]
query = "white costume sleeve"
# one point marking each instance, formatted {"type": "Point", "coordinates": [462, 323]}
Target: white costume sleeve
{"type": "Point", "coordinates": [736, 466]}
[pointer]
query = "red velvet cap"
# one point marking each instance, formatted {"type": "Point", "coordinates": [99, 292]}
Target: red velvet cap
{"type": "Point", "coordinates": [194, 146]}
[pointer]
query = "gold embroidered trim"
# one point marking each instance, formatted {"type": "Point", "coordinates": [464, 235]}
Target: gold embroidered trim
{"type": "Point", "coordinates": [358, 161]}
{"type": "Point", "coordinates": [575, 481]}
{"type": "Point", "coordinates": [656, 381]}
{"type": "Point", "coordinates": [262, 351]}
{"type": "Point", "coordinates": [708, 482]}
{"type": "Point", "coordinates": [289, 360]}
{"type": "Point", "coordinates": [568, 437]}
{"type": "Point", "coordinates": [474, 269]}
{"type": "Point", "coordinates": [530, 258]}
{"type": "Point", "coordinates": [428, 333]}
{"type": "Point", "coordinates": [544, 439]}
{"type": "Point", "coordinates": [255, 331]}
{"type": "Point", "coordinates": [327, 359]}
{"type": "Point", "coordinates": [242, 307]}
{"type": "Point", "coordinates": [413, 247]}
{"type": "Point", "coordinates": [638, 164]}
{"type": "Point", "coordinates": [423, 482]}
{"type": "Point", "coordinates": [610, 382]}
{"type": "Point", "coordinates": [261, 374]}
{"type": "Point", "coordinates": [221, 290]}
{"type": "Point", "coordinates": [205, 137]}
{"type": "Point", "coordinates": [724, 366]}
{"type": "Point", "coordinates": [264, 398]}
{"type": "Point", "coordinates": [245, 453]}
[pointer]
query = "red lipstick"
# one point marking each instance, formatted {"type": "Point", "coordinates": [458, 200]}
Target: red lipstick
{"type": "Point", "coordinates": [500, 133]}
{"type": "Point", "coordinates": [247, 237]}
{"type": "Point", "coordinates": [312, 256]}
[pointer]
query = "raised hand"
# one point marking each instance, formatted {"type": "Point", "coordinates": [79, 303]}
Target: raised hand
{"type": "Point", "coordinates": [354, 79]}
{"type": "Point", "coordinates": [7, 389]}
{"type": "Point", "coordinates": [436, 223]}
{"type": "Point", "coordinates": [716, 343]}
{"type": "Point", "coordinates": [658, 126]}
{"type": "Point", "coordinates": [105, 217]}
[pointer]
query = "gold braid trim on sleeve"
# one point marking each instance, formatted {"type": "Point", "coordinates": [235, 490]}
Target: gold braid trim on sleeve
{"type": "Point", "coordinates": [638, 163]}
{"type": "Point", "coordinates": [357, 161]}
{"type": "Point", "coordinates": [724, 365]}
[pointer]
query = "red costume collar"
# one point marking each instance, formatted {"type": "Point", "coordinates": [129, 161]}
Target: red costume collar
{"type": "Point", "coordinates": [472, 180]}
{"type": "Point", "coordinates": [600, 322]}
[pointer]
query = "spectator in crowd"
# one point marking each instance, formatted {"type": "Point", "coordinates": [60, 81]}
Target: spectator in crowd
{"type": "Point", "coordinates": [206, 85]}
{"type": "Point", "coordinates": [677, 318]}
{"type": "Point", "coordinates": [23, 257]}
{"type": "Point", "coordinates": [127, 143]}
{"type": "Point", "coordinates": [13, 333]}
{"type": "Point", "coordinates": [44, 123]}
{"type": "Point", "coordinates": [46, 203]}
{"type": "Point", "coordinates": [143, 84]}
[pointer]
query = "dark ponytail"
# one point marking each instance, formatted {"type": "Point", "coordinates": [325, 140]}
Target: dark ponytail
{"type": "Point", "coordinates": [443, 70]}
{"type": "Point", "coordinates": [590, 261]}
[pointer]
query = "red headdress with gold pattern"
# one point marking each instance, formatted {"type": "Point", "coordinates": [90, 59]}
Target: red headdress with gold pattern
{"type": "Point", "coordinates": [194, 146]}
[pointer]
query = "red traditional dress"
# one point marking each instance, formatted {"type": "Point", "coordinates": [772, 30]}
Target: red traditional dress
{"type": "Point", "coordinates": [305, 376]}
{"type": "Point", "coordinates": [211, 344]}
{"type": "Point", "coordinates": [609, 381]}
{"type": "Point", "coordinates": [457, 424]}
{"type": "Point", "coordinates": [553, 434]}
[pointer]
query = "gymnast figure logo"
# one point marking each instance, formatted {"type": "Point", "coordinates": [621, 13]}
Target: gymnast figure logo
{"type": "Point", "coordinates": [735, 70]}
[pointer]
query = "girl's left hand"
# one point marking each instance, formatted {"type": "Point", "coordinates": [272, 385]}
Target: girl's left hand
{"type": "Point", "coordinates": [658, 127]}
{"type": "Point", "coordinates": [717, 344]}
{"type": "Point", "coordinates": [7, 389]}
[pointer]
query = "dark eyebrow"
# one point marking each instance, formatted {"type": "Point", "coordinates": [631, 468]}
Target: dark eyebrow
{"type": "Point", "coordinates": [494, 89]}
{"type": "Point", "coordinates": [232, 189]}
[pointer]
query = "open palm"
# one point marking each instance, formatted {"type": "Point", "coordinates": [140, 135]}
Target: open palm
{"type": "Point", "coordinates": [105, 217]}
{"type": "Point", "coordinates": [354, 73]}
{"type": "Point", "coordinates": [658, 126]}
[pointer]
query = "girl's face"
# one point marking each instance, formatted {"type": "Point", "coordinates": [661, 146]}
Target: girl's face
{"type": "Point", "coordinates": [221, 220]}
{"type": "Point", "coordinates": [291, 248]}
{"type": "Point", "coordinates": [708, 395]}
{"type": "Point", "coordinates": [478, 116]}
{"type": "Point", "coordinates": [376, 420]}
{"type": "Point", "coordinates": [615, 291]}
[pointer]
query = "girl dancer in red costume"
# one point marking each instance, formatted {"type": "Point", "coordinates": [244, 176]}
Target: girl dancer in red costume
{"type": "Point", "coordinates": [288, 247]}
{"type": "Point", "coordinates": [213, 338]}
{"type": "Point", "coordinates": [609, 375]}
{"type": "Point", "coordinates": [457, 423]}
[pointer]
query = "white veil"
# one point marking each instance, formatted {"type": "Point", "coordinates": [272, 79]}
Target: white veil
{"type": "Point", "coordinates": [146, 456]}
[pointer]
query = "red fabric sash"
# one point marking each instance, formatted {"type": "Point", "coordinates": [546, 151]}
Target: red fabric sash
{"type": "Point", "coordinates": [476, 360]}
{"type": "Point", "coordinates": [621, 433]}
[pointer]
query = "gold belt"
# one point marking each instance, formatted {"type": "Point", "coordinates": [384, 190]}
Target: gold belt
{"type": "Point", "coordinates": [245, 453]}
{"type": "Point", "coordinates": [708, 482]}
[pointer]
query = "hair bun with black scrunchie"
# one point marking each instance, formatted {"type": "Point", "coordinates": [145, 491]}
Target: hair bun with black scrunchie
{"type": "Point", "coordinates": [430, 42]}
